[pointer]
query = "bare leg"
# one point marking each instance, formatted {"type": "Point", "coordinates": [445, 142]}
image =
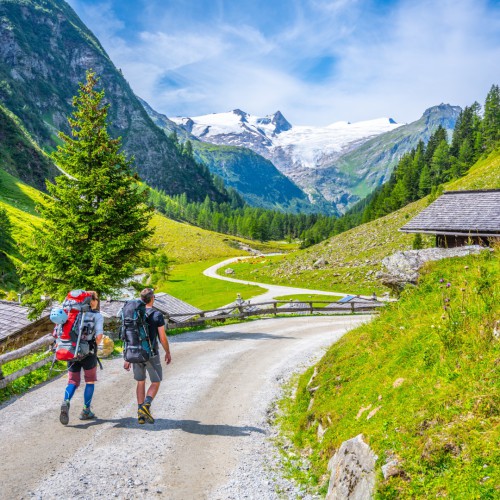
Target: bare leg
{"type": "Point", "coordinates": [153, 389]}
{"type": "Point", "coordinates": [141, 391]}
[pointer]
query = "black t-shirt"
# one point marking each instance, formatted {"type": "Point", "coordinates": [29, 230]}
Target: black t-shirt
{"type": "Point", "coordinates": [155, 320]}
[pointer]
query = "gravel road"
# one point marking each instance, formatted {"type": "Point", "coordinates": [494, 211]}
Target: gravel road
{"type": "Point", "coordinates": [272, 290]}
{"type": "Point", "coordinates": [210, 439]}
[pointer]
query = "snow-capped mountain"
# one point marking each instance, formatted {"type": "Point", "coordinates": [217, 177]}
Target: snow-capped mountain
{"type": "Point", "coordinates": [340, 163]}
{"type": "Point", "coordinates": [290, 148]}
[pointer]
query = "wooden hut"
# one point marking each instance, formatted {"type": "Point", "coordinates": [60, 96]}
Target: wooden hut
{"type": "Point", "coordinates": [459, 218]}
{"type": "Point", "coordinates": [15, 327]}
{"type": "Point", "coordinates": [168, 305]}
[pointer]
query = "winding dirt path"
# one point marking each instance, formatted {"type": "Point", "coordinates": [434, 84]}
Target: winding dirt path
{"type": "Point", "coordinates": [209, 439]}
{"type": "Point", "coordinates": [272, 290]}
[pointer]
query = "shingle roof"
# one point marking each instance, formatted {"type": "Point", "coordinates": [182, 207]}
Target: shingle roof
{"type": "Point", "coordinates": [13, 318]}
{"type": "Point", "coordinates": [167, 304]}
{"type": "Point", "coordinates": [110, 308]}
{"type": "Point", "coordinates": [470, 213]}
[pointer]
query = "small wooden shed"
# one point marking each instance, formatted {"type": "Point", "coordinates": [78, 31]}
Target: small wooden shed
{"type": "Point", "coordinates": [459, 218]}
{"type": "Point", "coordinates": [15, 327]}
{"type": "Point", "coordinates": [167, 305]}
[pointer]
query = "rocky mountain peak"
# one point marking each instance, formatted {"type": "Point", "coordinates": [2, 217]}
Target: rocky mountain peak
{"type": "Point", "coordinates": [442, 109]}
{"type": "Point", "coordinates": [243, 116]}
{"type": "Point", "coordinates": [280, 122]}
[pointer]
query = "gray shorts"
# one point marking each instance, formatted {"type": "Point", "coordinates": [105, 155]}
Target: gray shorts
{"type": "Point", "coordinates": [153, 366]}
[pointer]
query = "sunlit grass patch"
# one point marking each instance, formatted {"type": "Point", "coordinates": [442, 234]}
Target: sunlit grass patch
{"type": "Point", "coordinates": [420, 382]}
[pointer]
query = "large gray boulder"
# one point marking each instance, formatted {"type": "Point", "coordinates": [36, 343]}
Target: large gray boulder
{"type": "Point", "coordinates": [352, 471]}
{"type": "Point", "coordinates": [402, 267]}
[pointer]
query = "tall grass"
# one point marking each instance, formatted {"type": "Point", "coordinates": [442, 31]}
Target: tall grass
{"type": "Point", "coordinates": [428, 368]}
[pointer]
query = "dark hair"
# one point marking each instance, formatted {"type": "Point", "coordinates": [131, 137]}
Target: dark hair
{"type": "Point", "coordinates": [147, 295]}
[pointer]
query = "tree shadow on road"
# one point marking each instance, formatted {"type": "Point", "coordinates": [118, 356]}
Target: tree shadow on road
{"type": "Point", "coordinates": [166, 424]}
{"type": "Point", "coordinates": [210, 336]}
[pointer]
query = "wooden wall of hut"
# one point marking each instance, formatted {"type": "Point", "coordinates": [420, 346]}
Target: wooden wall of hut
{"type": "Point", "coordinates": [27, 335]}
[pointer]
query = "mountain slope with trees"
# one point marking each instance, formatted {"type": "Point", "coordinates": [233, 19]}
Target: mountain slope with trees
{"type": "Point", "coordinates": [255, 178]}
{"type": "Point", "coordinates": [20, 156]}
{"type": "Point", "coordinates": [45, 50]}
{"type": "Point", "coordinates": [362, 169]}
{"type": "Point", "coordinates": [422, 170]}
{"type": "Point", "coordinates": [349, 261]}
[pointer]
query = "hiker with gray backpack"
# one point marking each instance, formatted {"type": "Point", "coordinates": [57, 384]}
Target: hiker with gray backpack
{"type": "Point", "coordinates": [142, 328]}
{"type": "Point", "coordinates": [79, 328]}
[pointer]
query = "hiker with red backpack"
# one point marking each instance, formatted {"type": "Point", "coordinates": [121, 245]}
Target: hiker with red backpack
{"type": "Point", "coordinates": [79, 328]}
{"type": "Point", "coordinates": [142, 328]}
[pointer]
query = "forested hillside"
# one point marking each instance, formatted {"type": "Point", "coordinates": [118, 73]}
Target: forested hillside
{"type": "Point", "coordinates": [349, 261]}
{"type": "Point", "coordinates": [20, 156]}
{"type": "Point", "coordinates": [424, 169]}
{"type": "Point", "coordinates": [421, 171]}
{"type": "Point", "coordinates": [256, 179]}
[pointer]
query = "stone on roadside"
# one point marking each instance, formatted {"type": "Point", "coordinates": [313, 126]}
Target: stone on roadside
{"type": "Point", "coordinates": [352, 471]}
{"type": "Point", "coordinates": [105, 348]}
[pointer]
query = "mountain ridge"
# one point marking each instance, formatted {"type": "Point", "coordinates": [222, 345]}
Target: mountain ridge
{"type": "Point", "coordinates": [256, 178]}
{"type": "Point", "coordinates": [327, 163]}
{"type": "Point", "coordinates": [45, 51]}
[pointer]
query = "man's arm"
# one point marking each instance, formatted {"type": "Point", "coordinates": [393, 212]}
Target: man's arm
{"type": "Point", "coordinates": [164, 342]}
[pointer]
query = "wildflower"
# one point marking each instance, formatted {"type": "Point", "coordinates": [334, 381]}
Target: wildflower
{"type": "Point", "coordinates": [448, 285]}
{"type": "Point", "coordinates": [443, 316]}
{"type": "Point", "coordinates": [466, 267]}
{"type": "Point", "coordinates": [441, 280]}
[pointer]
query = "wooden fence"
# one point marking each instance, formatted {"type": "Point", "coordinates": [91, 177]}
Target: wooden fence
{"type": "Point", "coordinates": [245, 310]}
{"type": "Point", "coordinates": [20, 353]}
{"type": "Point", "coordinates": [240, 311]}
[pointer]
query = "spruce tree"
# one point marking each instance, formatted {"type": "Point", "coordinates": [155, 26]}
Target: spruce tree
{"type": "Point", "coordinates": [491, 120]}
{"type": "Point", "coordinates": [95, 217]}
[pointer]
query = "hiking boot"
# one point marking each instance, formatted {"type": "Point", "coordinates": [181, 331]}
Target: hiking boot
{"type": "Point", "coordinates": [141, 418]}
{"type": "Point", "coordinates": [64, 415]}
{"type": "Point", "coordinates": [145, 411]}
{"type": "Point", "coordinates": [87, 414]}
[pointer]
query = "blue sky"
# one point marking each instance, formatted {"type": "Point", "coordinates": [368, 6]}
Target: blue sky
{"type": "Point", "coordinates": [317, 61]}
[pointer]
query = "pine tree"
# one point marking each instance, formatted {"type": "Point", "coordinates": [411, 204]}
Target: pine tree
{"type": "Point", "coordinates": [95, 217]}
{"type": "Point", "coordinates": [424, 183]}
{"type": "Point", "coordinates": [440, 164]}
{"type": "Point", "coordinates": [491, 120]}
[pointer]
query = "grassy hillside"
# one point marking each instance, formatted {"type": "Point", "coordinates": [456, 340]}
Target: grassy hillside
{"type": "Point", "coordinates": [19, 155]}
{"type": "Point", "coordinates": [348, 262]}
{"type": "Point", "coordinates": [184, 245]}
{"type": "Point", "coordinates": [420, 382]}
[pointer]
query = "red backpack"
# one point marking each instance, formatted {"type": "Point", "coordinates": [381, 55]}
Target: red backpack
{"type": "Point", "coordinates": [73, 336]}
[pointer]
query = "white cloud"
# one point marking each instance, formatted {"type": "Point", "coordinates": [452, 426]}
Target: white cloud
{"type": "Point", "coordinates": [395, 62]}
